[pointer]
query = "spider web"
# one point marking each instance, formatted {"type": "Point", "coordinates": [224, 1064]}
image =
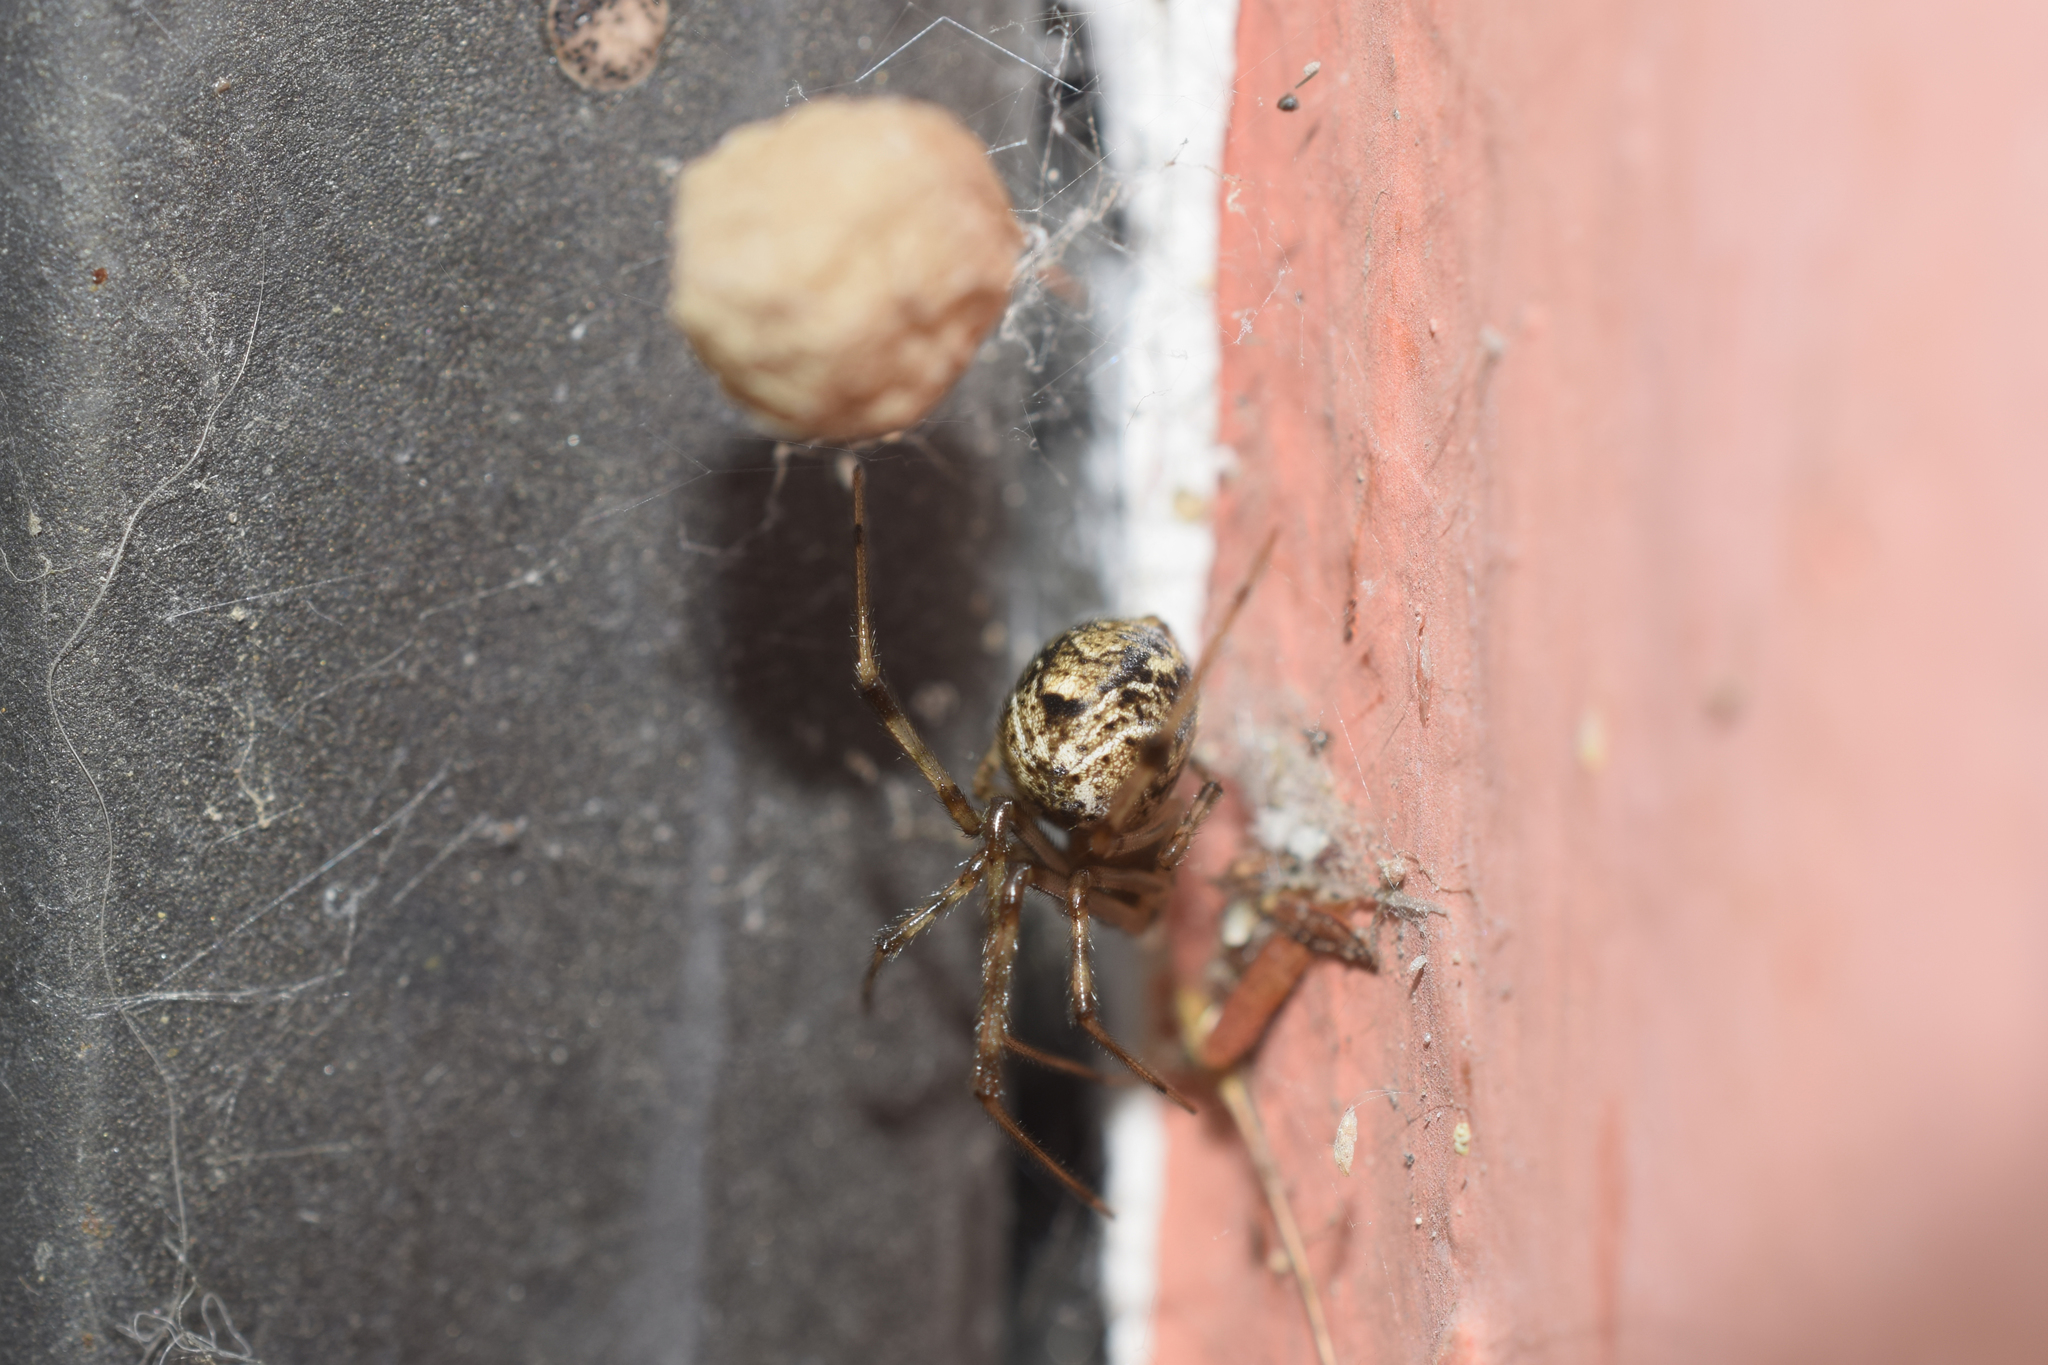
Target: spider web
{"type": "Point", "coordinates": [1112, 149]}
{"type": "Point", "coordinates": [1121, 194]}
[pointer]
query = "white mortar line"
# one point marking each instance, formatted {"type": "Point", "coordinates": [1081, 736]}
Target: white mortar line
{"type": "Point", "coordinates": [1135, 1136]}
{"type": "Point", "coordinates": [1166, 68]}
{"type": "Point", "coordinates": [1166, 71]}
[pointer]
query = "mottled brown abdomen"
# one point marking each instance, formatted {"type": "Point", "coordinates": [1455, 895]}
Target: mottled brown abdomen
{"type": "Point", "coordinates": [1074, 725]}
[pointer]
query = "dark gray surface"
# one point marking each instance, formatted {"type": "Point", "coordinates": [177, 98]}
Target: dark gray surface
{"type": "Point", "coordinates": [433, 882]}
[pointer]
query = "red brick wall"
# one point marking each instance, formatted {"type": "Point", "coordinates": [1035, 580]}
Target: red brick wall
{"type": "Point", "coordinates": [1704, 663]}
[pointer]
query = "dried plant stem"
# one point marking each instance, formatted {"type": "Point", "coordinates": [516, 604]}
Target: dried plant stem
{"type": "Point", "coordinates": [1230, 1085]}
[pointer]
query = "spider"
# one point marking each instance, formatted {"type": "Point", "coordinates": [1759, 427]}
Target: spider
{"type": "Point", "coordinates": [1075, 794]}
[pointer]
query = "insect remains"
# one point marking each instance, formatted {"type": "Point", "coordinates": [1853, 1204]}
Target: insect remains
{"type": "Point", "coordinates": [1279, 923]}
{"type": "Point", "coordinates": [1075, 801]}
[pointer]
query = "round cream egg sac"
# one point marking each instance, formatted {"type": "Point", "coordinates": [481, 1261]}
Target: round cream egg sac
{"type": "Point", "coordinates": [837, 267]}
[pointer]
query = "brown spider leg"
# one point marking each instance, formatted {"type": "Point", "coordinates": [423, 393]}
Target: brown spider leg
{"type": "Point", "coordinates": [1135, 881]}
{"type": "Point", "coordinates": [874, 688]}
{"type": "Point", "coordinates": [1008, 820]}
{"type": "Point", "coordinates": [1053, 1061]}
{"type": "Point", "coordinates": [1129, 898]}
{"type": "Point", "coordinates": [1054, 885]}
{"type": "Point", "coordinates": [985, 771]}
{"type": "Point", "coordinates": [1113, 908]}
{"type": "Point", "coordinates": [1152, 758]}
{"type": "Point", "coordinates": [992, 1024]}
{"type": "Point", "coordinates": [1195, 812]}
{"type": "Point", "coordinates": [1198, 811]}
{"type": "Point", "coordinates": [912, 923]}
{"type": "Point", "coordinates": [1051, 859]}
{"type": "Point", "coordinates": [1104, 845]}
{"type": "Point", "coordinates": [1081, 991]}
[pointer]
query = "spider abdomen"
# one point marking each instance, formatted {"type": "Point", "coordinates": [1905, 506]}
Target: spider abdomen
{"type": "Point", "coordinates": [1074, 726]}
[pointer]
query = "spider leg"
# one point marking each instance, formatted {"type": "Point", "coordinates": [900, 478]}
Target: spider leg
{"type": "Point", "coordinates": [1053, 1061]}
{"type": "Point", "coordinates": [1118, 912]}
{"type": "Point", "coordinates": [1049, 858]}
{"type": "Point", "coordinates": [1131, 881]}
{"type": "Point", "coordinates": [1081, 991]}
{"type": "Point", "coordinates": [1105, 845]}
{"type": "Point", "coordinates": [1183, 826]}
{"type": "Point", "coordinates": [911, 923]}
{"type": "Point", "coordinates": [1055, 886]}
{"type": "Point", "coordinates": [1198, 811]}
{"type": "Point", "coordinates": [986, 770]}
{"type": "Point", "coordinates": [1152, 758]}
{"type": "Point", "coordinates": [874, 688]}
{"type": "Point", "coordinates": [1126, 898]}
{"type": "Point", "coordinates": [992, 1023]}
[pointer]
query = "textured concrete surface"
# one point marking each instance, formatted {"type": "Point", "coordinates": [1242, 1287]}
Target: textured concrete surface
{"type": "Point", "coordinates": [1650, 397]}
{"type": "Point", "coordinates": [436, 871]}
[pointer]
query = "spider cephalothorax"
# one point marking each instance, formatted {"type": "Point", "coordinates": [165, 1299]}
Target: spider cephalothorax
{"type": "Point", "coordinates": [1092, 741]}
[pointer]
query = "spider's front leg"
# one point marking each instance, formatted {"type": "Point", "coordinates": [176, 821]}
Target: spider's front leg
{"type": "Point", "coordinates": [1081, 990]}
{"type": "Point", "coordinates": [874, 688]}
{"type": "Point", "coordinates": [1006, 886]}
{"type": "Point", "coordinates": [912, 923]}
{"type": "Point", "coordinates": [1176, 847]}
{"type": "Point", "coordinates": [1198, 810]}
